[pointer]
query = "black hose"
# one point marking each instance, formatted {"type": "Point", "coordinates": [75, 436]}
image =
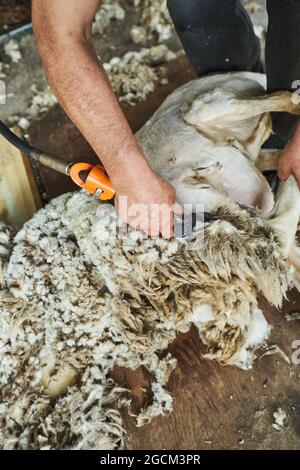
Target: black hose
{"type": "Point", "coordinates": [15, 140]}
{"type": "Point", "coordinates": [43, 158]}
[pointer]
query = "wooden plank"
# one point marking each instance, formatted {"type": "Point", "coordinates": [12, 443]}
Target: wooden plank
{"type": "Point", "coordinates": [19, 197]}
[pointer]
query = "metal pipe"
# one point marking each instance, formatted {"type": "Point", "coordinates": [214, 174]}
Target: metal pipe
{"type": "Point", "coordinates": [50, 161]}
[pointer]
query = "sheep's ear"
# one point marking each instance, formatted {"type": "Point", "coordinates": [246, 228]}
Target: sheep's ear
{"type": "Point", "coordinates": [284, 217]}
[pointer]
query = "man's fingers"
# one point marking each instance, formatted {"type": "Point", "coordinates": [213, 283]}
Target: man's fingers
{"type": "Point", "coordinates": [159, 219]}
{"type": "Point", "coordinates": [154, 226]}
{"type": "Point", "coordinates": [178, 209]}
{"type": "Point", "coordinates": [167, 230]}
{"type": "Point", "coordinates": [167, 219]}
{"type": "Point", "coordinates": [284, 169]}
{"type": "Point", "coordinates": [166, 223]}
{"type": "Point", "coordinates": [296, 173]}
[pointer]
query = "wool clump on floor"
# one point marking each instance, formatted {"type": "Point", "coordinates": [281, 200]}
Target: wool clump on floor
{"type": "Point", "coordinates": [110, 10]}
{"type": "Point", "coordinates": [155, 22]}
{"type": "Point", "coordinates": [134, 76]}
{"type": "Point", "coordinates": [12, 50]}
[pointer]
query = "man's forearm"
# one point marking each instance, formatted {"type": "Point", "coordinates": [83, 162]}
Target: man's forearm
{"type": "Point", "coordinates": [81, 86]}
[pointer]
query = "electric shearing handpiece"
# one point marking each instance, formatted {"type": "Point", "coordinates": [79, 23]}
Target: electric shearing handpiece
{"type": "Point", "coordinates": [93, 179]}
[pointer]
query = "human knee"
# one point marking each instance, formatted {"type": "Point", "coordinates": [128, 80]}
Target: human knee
{"type": "Point", "coordinates": [190, 14]}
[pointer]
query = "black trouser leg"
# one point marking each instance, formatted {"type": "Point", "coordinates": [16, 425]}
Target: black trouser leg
{"type": "Point", "coordinates": [217, 35]}
{"type": "Point", "coordinates": [283, 61]}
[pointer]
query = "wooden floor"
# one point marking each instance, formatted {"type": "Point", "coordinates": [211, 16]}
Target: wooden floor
{"type": "Point", "coordinates": [214, 407]}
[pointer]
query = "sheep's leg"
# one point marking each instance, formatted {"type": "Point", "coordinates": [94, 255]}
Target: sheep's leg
{"type": "Point", "coordinates": [285, 216]}
{"type": "Point", "coordinates": [251, 143]}
{"type": "Point", "coordinates": [294, 261]}
{"type": "Point", "coordinates": [221, 108]}
{"type": "Point", "coordinates": [268, 160]}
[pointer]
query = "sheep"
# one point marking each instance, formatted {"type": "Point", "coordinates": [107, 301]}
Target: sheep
{"type": "Point", "coordinates": [81, 292]}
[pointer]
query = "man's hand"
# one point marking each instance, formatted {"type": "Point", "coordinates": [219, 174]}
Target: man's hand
{"type": "Point", "coordinates": [147, 202]}
{"type": "Point", "coordinates": [289, 162]}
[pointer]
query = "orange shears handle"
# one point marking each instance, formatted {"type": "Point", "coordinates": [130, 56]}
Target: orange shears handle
{"type": "Point", "coordinates": [95, 180]}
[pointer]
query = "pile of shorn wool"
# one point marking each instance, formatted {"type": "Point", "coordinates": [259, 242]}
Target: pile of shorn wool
{"type": "Point", "coordinates": [77, 299]}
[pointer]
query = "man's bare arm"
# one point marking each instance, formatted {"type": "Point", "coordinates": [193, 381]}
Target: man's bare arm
{"type": "Point", "coordinates": [63, 29]}
{"type": "Point", "coordinates": [289, 162]}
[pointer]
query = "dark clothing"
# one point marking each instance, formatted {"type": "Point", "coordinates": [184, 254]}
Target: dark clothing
{"type": "Point", "coordinates": [218, 36]}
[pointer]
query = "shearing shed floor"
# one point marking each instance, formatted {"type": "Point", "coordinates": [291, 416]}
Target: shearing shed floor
{"type": "Point", "coordinates": [215, 407]}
